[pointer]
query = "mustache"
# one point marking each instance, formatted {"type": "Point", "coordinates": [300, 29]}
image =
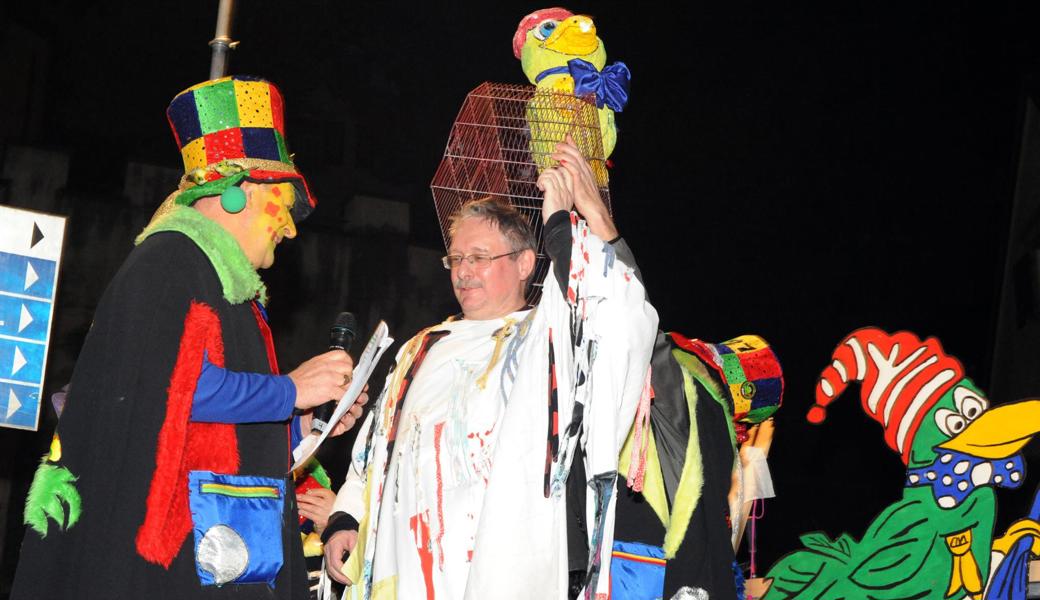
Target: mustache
{"type": "Point", "coordinates": [468, 283]}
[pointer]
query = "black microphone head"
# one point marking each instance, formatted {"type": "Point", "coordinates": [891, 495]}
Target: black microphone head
{"type": "Point", "coordinates": [343, 331]}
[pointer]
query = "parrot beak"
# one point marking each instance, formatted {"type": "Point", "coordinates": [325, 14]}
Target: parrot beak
{"type": "Point", "coordinates": [999, 432]}
{"type": "Point", "coordinates": [575, 36]}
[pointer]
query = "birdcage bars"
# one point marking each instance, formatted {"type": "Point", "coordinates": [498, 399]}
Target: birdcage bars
{"type": "Point", "coordinates": [503, 137]}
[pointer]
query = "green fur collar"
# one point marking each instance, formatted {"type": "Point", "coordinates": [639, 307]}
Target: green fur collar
{"type": "Point", "coordinates": [240, 280]}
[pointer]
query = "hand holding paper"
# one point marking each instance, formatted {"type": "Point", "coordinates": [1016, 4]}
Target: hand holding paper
{"type": "Point", "coordinates": [350, 404]}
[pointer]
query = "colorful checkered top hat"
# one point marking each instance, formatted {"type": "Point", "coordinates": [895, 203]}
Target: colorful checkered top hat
{"type": "Point", "coordinates": [231, 130]}
{"type": "Point", "coordinates": [750, 369]}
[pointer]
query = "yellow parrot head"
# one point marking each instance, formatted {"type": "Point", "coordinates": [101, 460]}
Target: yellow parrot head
{"type": "Point", "coordinates": [550, 37]}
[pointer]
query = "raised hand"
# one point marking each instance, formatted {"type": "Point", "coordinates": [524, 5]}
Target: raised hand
{"type": "Point", "coordinates": [584, 191]}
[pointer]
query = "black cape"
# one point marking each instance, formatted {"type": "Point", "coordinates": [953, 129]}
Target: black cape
{"type": "Point", "coordinates": [109, 429]}
{"type": "Point", "coordinates": [705, 557]}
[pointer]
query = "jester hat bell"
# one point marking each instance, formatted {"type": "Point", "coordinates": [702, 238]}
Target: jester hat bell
{"type": "Point", "coordinates": [231, 130]}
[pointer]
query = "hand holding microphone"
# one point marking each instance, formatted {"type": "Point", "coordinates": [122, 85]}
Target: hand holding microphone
{"type": "Point", "coordinates": [328, 375]}
{"type": "Point", "coordinates": [341, 337]}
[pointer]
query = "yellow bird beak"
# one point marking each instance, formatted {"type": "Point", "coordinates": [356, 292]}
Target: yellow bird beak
{"type": "Point", "coordinates": [999, 432]}
{"type": "Point", "coordinates": [575, 36]}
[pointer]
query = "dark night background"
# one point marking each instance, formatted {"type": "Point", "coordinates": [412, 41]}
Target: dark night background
{"type": "Point", "coordinates": [791, 171]}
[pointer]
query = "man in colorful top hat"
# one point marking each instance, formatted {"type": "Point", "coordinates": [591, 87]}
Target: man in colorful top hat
{"type": "Point", "coordinates": [168, 474]}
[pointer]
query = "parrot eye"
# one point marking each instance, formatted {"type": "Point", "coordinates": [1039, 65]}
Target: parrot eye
{"type": "Point", "coordinates": [955, 423]}
{"type": "Point", "coordinates": [545, 29]}
{"type": "Point", "coordinates": [968, 403]}
{"type": "Point", "coordinates": [949, 422]}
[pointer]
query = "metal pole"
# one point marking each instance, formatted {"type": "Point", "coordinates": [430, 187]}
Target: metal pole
{"type": "Point", "coordinates": [222, 43]}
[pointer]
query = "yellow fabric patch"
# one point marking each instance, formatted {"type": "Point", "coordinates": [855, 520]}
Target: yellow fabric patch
{"type": "Point", "coordinates": [254, 104]}
{"type": "Point", "coordinates": [354, 567]}
{"type": "Point", "coordinates": [740, 403]}
{"type": "Point", "coordinates": [653, 481]}
{"type": "Point", "coordinates": [691, 480]}
{"type": "Point", "coordinates": [312, 545]}
{"type": "Point", "coordinates": [385, 589]}
{"type": "Point", "coordinates": [194, 154]}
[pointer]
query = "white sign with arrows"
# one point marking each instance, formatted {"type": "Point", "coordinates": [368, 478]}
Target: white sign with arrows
{"type": "Point", "coordinates": [30, 255]}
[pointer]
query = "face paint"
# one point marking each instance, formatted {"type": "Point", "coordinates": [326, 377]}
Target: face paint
{"type": "Point", "coordinates": [272, 221]}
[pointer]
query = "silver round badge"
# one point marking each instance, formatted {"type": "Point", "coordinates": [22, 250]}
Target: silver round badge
{"type": "Point", "coordinates": [223, 554]}
{"type": "Point", "coordinates": [690, 593]}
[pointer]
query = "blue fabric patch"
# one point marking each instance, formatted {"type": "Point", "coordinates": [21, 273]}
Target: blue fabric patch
{"type": "Point", "coordinates": [767, 392]}
{"type": "Point", "coordinates": [259, 142]}
{"type": "Point", "coordinates": [184, 116]}
{"type": "Point", "coordinates": [237, 521]}
{"type": "Point", "coordinates": [636, 571]}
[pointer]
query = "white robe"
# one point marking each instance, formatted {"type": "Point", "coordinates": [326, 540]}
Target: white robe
{"type": "Point", "coordinates": [462, 511]}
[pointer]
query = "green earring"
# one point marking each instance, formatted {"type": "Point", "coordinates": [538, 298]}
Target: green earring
{"type": "Point", "coordinates": [233, 199]}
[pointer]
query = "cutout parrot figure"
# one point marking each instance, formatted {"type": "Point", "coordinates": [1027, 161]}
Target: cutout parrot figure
{"type": "Point", "coordinates": [560, 52]}
{"type": "Point", "coordinates": [936, 542]}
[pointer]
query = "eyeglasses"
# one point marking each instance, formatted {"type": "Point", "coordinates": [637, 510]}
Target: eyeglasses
{"type": "Point", "coordinates": [479, 261]}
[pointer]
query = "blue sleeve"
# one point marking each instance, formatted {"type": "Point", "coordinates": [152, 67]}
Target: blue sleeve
{"type": "Point", "coordinates": [295, 432]}
{"type": "Point", "coordinates": [223, 396]}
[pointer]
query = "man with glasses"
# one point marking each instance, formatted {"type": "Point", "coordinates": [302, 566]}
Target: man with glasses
{"type": "Point", "coordinates": [459, 476]}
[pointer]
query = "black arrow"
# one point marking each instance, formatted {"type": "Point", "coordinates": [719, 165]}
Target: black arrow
{"type": "Point", "coordinates": [36, 236]}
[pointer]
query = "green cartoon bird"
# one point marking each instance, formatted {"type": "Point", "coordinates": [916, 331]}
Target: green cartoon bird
{"type": "Point", "coordinates": [937, 542]}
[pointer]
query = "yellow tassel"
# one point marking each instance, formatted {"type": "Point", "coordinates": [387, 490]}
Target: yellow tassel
{"type": "Point", "coordinates": [965, 570]}
{"type": "Point", "coordinates": [499, 336]}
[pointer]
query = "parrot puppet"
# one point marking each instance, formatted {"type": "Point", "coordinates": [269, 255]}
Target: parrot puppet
{"type": "Point", "coordinates": [936, 542]}
{"type": "Point", "coordinates": [560, 52]}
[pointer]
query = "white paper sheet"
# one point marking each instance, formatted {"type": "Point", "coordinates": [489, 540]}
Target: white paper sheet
{"type": "Point", "coordinates": [374, 349]}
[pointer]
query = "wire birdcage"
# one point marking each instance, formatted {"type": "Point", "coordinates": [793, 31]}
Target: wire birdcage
{"type": "Point", "coordinates": [502, 139]}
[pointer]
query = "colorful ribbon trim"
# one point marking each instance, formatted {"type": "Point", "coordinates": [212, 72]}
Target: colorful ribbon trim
{"type": "Point", "coordinates": [256, 491]}
{"type": "Point", "coordinates": [638, 558]}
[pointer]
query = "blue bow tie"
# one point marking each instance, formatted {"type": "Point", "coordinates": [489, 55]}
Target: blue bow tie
{"type": "Point", "coordinates": [609, 85]}
{"type": "Point", "coordinates": [954, 475]}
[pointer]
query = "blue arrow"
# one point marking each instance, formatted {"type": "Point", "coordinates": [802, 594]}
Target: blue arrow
{"type": "Point", "coordinates": [16, 271]}
{"type": "Point", "coordinates": [21, 318]}
{"type": "Point", "coordinates": [22, 402]}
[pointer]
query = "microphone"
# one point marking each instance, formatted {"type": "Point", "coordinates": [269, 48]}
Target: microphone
{"type": "Point", "coordinates": [341, 336]}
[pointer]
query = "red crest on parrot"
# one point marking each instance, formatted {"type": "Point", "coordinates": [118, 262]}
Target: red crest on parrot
{"type": "Point", "coordinates": [532, 20]}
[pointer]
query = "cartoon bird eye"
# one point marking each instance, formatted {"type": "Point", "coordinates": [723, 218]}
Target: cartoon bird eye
{"type": "Point", "coordinates": [545, 29]}
{"type": "Point", "coordinates": [968, 403]}
{"type": "Point", "coordinates": [955, 423]}
{"type": "Point", "coordinates": [949, 422]}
